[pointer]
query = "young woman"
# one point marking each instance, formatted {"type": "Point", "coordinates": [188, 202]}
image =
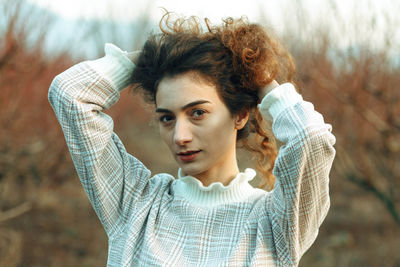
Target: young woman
{"type": "Point", "coordinates": [212, 90]}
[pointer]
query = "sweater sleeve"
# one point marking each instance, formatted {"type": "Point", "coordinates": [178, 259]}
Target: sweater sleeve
{"type": "Point", "coordinates": [112, 178]}
{"type": "Point", "coordinates": [300, 199]}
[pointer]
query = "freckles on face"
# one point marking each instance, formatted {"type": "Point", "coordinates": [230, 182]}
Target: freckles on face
{"type": "Point", "coordinates": [194, 120]}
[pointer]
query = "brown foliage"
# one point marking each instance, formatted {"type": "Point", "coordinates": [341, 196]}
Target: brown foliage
{"type": "Point", "coordinates": [31, 150]}
{"type": "Point", "coordinates": [29, 135]}
{"type": "Point", "coordinates": [358, 93]}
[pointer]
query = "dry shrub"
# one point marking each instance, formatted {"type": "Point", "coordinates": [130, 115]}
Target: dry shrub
{"type": "Point", "coordinates": [32, 153]}
{"type": "Point", "coordinates": [36, 172]}
{"type": "Point", "coordinates": [357, 91]}
{"type": "Point", "coordinates": [356, 87]}
{"type": "Point", "coordinates": [10, 247]}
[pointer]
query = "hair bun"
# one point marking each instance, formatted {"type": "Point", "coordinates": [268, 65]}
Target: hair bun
{"type": "Point", "coordinates": [257, 55]}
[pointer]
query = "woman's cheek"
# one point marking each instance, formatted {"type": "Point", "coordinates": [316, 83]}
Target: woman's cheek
{"type": "Point", "coordinates": [166, 136]}
{"type": "Point", "coordinates": [220, 132]}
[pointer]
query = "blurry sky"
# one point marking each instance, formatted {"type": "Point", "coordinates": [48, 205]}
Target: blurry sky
{"type": "Point", "coordinates": [129, 9]}
{"type": "Point", "coordinates": [365, 20]}
{"type": "Point", "coordinates": [213, 9]}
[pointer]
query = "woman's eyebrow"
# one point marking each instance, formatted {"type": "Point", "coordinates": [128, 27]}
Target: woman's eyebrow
{"type": "Point", "coordinates": [191, 104]}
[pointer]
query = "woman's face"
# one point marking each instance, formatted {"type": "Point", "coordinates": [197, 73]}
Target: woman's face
{"type": "Point", "coordinates": [197, 126]}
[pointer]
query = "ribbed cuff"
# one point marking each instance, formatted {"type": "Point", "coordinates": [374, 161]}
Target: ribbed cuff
{"type": "Point", "coordinates": [278, 99]}
{"type": "Point", "coordinates": [115, 66]}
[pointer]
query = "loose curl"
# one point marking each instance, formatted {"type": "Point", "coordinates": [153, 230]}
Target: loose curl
{"type": "Point", "coordinates": [238, 57]}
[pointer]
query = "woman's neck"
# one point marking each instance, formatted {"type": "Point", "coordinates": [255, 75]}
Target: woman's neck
{"type": "Point", "coordinates": [223, 172]}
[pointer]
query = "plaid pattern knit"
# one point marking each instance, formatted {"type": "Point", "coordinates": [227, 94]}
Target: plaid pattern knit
{"type": "Point", "coordinates": [157, 220]}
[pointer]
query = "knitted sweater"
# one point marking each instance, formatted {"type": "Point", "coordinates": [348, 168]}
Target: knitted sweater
{"type": "Point", "coordinates": [158, 220]}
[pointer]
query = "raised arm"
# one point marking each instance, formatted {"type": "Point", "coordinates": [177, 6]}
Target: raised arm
{"type": "Point", "coordinates": [112, 179]}
{"type": "Point", "coordinates": [300, 199]}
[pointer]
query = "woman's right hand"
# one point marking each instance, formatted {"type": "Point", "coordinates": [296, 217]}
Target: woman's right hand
{"type": "Point", "coordinates": [268, 88]}
{"type": "Point", "coordinates": [133, 56]}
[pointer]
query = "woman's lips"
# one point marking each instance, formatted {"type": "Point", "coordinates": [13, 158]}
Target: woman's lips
{"type": "Point", "coordinates": [188, 155]}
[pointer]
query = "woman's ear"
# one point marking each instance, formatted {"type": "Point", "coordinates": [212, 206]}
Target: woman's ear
{"type": "Point", "coordinates": [241, 119]}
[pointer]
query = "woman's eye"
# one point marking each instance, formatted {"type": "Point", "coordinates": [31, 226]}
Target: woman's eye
{"type": "Point", "coordinates": [198, 113]}
{"type": "Point", "coordinates": [166, 118]}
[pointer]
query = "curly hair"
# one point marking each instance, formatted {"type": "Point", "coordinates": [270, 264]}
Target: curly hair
{"type": "Point", "coordinates": [238, 57]}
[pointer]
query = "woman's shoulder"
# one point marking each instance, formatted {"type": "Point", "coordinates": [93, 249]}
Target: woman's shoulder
{"type": "Point", "coordinates": [162, 180]}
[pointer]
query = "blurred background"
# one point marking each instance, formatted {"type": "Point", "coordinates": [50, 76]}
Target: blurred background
{"type": "Point", "coordinates": [348, 66]}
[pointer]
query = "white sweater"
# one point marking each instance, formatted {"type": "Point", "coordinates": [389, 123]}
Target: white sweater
{"type": "Point", "coordinates": [158, 220]}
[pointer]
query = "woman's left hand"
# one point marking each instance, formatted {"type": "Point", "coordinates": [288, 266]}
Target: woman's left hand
{"type": "Point", "coordinates": [268, 88]}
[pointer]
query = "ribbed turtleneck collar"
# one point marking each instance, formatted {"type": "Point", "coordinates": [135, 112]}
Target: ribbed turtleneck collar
{"type": "Point", "coordinates": [216, 193]}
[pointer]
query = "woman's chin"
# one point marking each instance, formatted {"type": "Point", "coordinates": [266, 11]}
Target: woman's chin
{"type": "Point", "coordinates": [190, 170]}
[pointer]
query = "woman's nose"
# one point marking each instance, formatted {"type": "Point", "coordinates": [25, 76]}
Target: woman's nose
{"type": "Point", "coordinates": [182, 133]}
